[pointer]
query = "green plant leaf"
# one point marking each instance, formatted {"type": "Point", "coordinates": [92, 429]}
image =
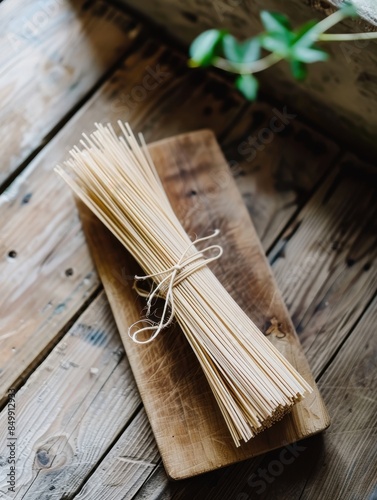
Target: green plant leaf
{"type": "Point", "coordinates": [274, 22]}
{"type": "Point", "coordinates": [309, 55]}
{"type": "Point", "coordinates": [307, 35]}
{"type": "Point", "coordinates": [205, 47]}
{"type": "Point", "coordinates": [306, 29]}
{"type": "Point", "coordinates": [279, 43]}
{"type": "Point", "coordinates": [248, 86]}
{"type": "Point", "coordinates": [241, 52]}
{"type": "Point", "coordinates": [299, 70]}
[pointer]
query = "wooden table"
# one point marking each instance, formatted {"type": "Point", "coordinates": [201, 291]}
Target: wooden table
{"type": "Point", "coordinates": [80, 426]}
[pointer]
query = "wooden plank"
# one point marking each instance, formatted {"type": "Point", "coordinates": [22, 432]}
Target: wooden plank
{"type": "Point", "coordinates": [45, 269]}
{"type": "Point", "coordinates": [342, 211]}
{"type": "Point", "coordinates": [350, 445]}
{"type": "Point", "coordinates": [276, 161]}
{"type": "Point", "coordinates": [325, 263]}
{"type": "Point", "coordinates": [189, 429]}
{"type": "Point", "coordinates": [341, 463]}
{"type": "Point", "coordinates": [158, 486]}
{"type": "Point", "coordinates": [126, 467]}
{"type": "Point", "coordinates": [52, 52]}
{"type": "Point", "coordinates": [71, 409]}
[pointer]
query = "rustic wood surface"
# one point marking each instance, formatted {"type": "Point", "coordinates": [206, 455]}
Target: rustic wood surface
{"type": "Point", "coordinates": [47, 279]}
{"type": "Point", "coordinates": [127, 466]}
{"type": "Point", "coordinates": [324, 260]}
{"type": "Point", "coordinates": [73, 407]}
{"type": "Point", "coordinates": [46, 273]}
{"type": "Point", "coordinates": [51, 257]}
{"type": "Point", "coordinates": [274, 187]}
{"type": "Point", "coordinates": [51, 55]}
{"type": "Point", "coordinates": [191, 434]}
{"type": "Point", "coordinates": [338, 96]}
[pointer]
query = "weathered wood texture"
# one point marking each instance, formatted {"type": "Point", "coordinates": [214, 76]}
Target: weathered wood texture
{"type": "Point", "coordinates": [325, 262]}
{"type": "Point", "coordinates": [350, 446]}
{"type": "Point", "coordinates": [334, 249]}
{"type": "Point", "coordinates": [338, 96]}
{"type": "Point", "coordinates": [71, 409]}
{"type": "Point", "coordinates": [126, 467]}
{"type": "Point", "coordinates": [43, 210]}
{"type": "Point", "coordinates": [277, 162]}
{"type": "Point", "coordinates": [157, 486]}
{"type": "Point", "coordinates": [51, 55]}
{"type": "Point", "coordinates": [190, 431]}
{"type": "Point", "coordinates": [46, 272]}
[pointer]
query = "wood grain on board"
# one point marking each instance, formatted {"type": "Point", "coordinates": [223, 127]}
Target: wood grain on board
{"type": "Point", "coordinates": [51, 55]}
{"type": "Point", "coordinates": [339, 463]}
{"type": "Point", "coordinates": [45, 268]}
{"type": "Point", "coordinates": [46, 273]}
{"type": "Point", "coordinates": [71, 409]}
{"type": "Point", "coordinates": [189, 429]}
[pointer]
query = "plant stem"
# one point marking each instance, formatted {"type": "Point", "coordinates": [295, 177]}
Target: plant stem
{"type": "Point", "coordinates": [329, 22]}
{"type": "Point", "coordinates": [247, 68]}
{"type": "Point", "coordinates": [329, 37]}
{"type": "Point", "coordinates": [317, 33]}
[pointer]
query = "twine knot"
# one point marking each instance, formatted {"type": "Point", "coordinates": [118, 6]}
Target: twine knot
{"type": "Point", "coordinates": [175, 274]}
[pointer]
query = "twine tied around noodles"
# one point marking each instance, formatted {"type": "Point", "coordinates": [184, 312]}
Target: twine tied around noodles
{"type": "Point", "coordinates": [175, 275]}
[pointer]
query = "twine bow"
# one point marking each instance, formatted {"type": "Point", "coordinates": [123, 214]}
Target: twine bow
{"type": "Point", "coordinates": [175, 275]}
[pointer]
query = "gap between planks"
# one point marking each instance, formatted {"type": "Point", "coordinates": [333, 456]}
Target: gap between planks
{"type": "Point", "coordinates": [354, 327]}
{"type": "Point", "coordinates": [36, 362]}
{"type": "Point", "coordinates": [345, 456]}
{"type": "Point", "coordinates": [73, 407]}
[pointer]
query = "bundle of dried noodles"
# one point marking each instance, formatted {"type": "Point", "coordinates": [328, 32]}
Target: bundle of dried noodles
{"type": "Point", "coordinates": [253, 383]}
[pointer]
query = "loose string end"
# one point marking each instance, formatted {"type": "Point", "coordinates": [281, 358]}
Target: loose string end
{"type": "Point", "coordinates": [197, 260]}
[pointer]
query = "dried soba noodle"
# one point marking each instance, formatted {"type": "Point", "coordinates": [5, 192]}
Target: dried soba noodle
{"type": "Point", "coordinates": [253, 383]}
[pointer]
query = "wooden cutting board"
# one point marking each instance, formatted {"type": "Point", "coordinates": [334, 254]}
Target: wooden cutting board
{"type": "Point", "coordinates": [189, 429]}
